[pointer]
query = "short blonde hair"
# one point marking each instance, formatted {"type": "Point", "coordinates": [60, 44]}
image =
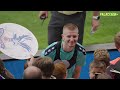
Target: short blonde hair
{"type": "Point", "coordinates": [117, 39]}
{"type": "Point", "coordinates": [102, 55]}
{"type": "Point", "coordinates": [96, 64]}
{"type": "Point", "coordinates": [70, 26]}
{"type": "Point", "coordinates": [60, 70]}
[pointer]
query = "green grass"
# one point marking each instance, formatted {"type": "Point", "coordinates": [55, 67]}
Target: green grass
{"type": "Point", "coordinates": [109, 26]}
{"type": "Point", "coordinates": [30, 20]}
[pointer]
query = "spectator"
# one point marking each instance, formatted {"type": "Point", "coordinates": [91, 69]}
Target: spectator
{"type": "Point", "coordinates": [60, 71]}
{"type": "Point", "coordinates": [47, 67]}
{"type": "Point", "coordinates": [102, 55]}
{"type": "Point", "coordinates": [117, 44]}
{"type": "Point", "coordinates": [32, 72]}
{"type": "Point", "coordinates": [114, 62]}
{"type": "Point", "coordinates": [117, 41]}
{"type": "Point", "coordinates": [96, 68]}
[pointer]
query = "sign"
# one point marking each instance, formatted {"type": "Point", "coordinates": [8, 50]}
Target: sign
{"type": "Point", "coordinates": [17, 41]}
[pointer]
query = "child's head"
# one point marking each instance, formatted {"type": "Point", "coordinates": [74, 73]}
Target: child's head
{"type": "Point", "coordinates": [117, 41]}
{"type": "Point", "coordinates": [96, 68]}
{"type": "Point", "coordinates": [102, 55]}
{"type": "Point", "coordinates": [60, 71]}
{"type": "Point", "coordinates": [46, 65]}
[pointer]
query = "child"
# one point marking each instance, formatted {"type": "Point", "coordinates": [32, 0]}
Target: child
{"type": "Point", "coordinates": [96, 68]}
{"type": "Point", "coordinates": [102, 55]}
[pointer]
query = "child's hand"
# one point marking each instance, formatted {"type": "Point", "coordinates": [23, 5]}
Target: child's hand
{"type": "Point", "coordinates": [31, 60]}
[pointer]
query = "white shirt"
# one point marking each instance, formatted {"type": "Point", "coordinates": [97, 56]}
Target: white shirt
{"type": "Point", "coordinates": [69, 12]}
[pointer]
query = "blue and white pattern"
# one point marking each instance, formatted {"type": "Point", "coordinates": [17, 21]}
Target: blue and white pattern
{"type": "Point", "coordinates": [17, 41]}
{"type": "Point", "coordinates": [20, 40]}
{"type": "Point", "coordinates": [1, 42]}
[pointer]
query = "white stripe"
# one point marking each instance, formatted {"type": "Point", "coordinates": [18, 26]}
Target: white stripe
{"type": "Point", "coordinates": [2, 76]}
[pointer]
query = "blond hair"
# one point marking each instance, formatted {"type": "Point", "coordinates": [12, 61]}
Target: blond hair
{"type": "Point", "coordinates": [102, 55]}
{"type": "Point", "coordinates": [71, 27]}
{"type": "Point", "coordinates": [96, 64]}
{"type": "Point", "coordinates": [117, 39]}
{"type": "Point", "coordinates": [60, 70]}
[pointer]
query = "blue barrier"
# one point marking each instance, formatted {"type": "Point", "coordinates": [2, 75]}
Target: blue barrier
{"type": "Point", "coordinates": [85, 69]}
{"type": "Point", "coordinates": [16, 67]}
